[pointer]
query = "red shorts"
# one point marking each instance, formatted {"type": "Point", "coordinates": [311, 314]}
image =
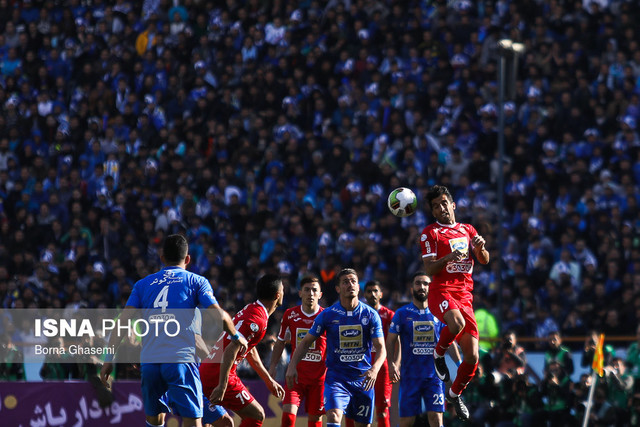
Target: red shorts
{"type": "Point", "coordinates": [383, 388]}
{"type": "Point", "coordinates": [311, 393]}
{"type": "Point", "coordinates": [235, 397]}
{"type": "Point", "coordinates": [441, 301]}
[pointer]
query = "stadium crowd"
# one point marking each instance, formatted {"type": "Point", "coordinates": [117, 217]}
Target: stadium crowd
{"type": "Point", "coordinates": [270, 132]}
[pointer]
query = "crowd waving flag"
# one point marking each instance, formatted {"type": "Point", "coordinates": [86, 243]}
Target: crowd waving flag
{"type": "Point", "coordinates": [598, 357]}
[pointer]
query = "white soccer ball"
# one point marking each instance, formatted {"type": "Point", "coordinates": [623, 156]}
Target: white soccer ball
{"type": "Point", "coordinates": [402, 202]}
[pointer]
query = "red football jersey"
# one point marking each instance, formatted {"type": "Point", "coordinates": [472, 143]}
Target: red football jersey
{"type": "Point", "coordinates": [251, 323]}
{"type": "Point", "coordinates": [296, 323]}
{"type": "Point", "coordinates": [386, 314]}
{"type": "Point", "coordinates": [438, 240]}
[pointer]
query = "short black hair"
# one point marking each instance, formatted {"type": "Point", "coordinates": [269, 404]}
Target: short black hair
{"type": "Point", "coordinates": [175, 248]}
{"type": "Point", "coordinates": [345, 272]}
{"type": "Point", "coordinates": [268, 286]}
{"type": "Point", "coordinates": [371, 283]}
{"type": "Point", "coordinates": [310, 278]}
{"type": "Point", "coordinates": [419, 273]}
{"type": "Point", "coordinates": [437, 191]}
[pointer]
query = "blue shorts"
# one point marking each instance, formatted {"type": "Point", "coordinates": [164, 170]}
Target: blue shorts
{"type": "Point", "coordinates": [419, 396]}
{"type": "Point", "coordinates": [211, 413]}
{"type": "Point", "coordinates": [350, 397]}
{"type": "Point", "coordinates": [172, 387]}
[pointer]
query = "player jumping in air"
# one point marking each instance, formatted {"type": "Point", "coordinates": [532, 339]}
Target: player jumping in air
{"type": "Point", "coordinates": [446, 253]}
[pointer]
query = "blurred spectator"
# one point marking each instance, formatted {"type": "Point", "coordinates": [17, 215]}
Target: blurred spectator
{"type": "Point", "coordinates": [487, 327]}
{"type": "Point", "coordinates": [556, 352]}
{"type": "Point", "coordinates": [603, 413]}
{"type": "Point", "coordinates": [633, 359]}
{"type": "Point", "coordinates": [509, 358]}
{"type": "Point", "coordinates": [589, 350]}
{"type": "Point", "coordinates": [620, 385]}
{"type": "Point", "coordinates": [556, 390]}
{"type": "Point", "coordinates": [11, 361]}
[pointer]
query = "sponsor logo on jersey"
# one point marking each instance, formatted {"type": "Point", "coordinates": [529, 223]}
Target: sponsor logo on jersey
{"type": "Point", "coordinates": [351, 358]}
{"type": "Point", "coordinates": [300, 334]}
{"type": "Point", "coordinates": [459, 268]}
{"type": "Point", "coordinates": [423, 351]}
{"type": "Point", "coordinates": [350, 336]}
{"type": "Point", "coordinates": [312, 357]}
{"type": "Point", "coordinates": [423, 331]}
{"type": "Point", "coordinates": [423, 328]}
{"type": "Point", "coordinates": [459, 244]}
{"type": "Point", "coordinates": [350, 333]}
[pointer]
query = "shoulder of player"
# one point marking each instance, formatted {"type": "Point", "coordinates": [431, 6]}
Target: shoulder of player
{"type": "Point", "coordinates": [290, 312]}
{"type": "Point", "coordinates": [468, 227]}
{"type": "Point", "coordinates": [429, 229]}
{"type": "Point", "coordinates": [368, 311]}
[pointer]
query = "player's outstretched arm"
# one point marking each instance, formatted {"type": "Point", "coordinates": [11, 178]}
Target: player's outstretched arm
{"type": "Point", "coordinates": [276, 354]}
{"type": "Point", "coordinates": [228, 358]}
{"type": "Point", "coordinates": [256, 363]}
{"type": "Point", "coordinates": [114, 342]}
{"type": "Point", "coordinates": [296, 357]}
{"type": "Point", "coordinates": [393, 356]}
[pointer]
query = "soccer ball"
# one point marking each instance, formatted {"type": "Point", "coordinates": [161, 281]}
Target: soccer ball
{"type": "Point", "coordinates": [402, 202]}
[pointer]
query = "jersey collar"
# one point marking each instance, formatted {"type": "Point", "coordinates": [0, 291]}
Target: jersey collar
{"type": "Point", "coordinates": [454, 225]}
{"type": "Point", "coordinates": [309, 314]}
{"type": "Point", "coordinates": [266, 313]}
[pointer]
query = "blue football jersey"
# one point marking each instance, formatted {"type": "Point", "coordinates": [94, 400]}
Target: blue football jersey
{"type": "Point", "coordinates": [171, 293]}
{"type": "Point", "coordinates": [349, 335]}
{"type": "Point", "coordinates": [419, 331]}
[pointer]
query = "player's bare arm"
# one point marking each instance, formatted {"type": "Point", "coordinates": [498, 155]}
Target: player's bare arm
{"type": "Point", "coordinates": [228, 326]}
{"type": "Point", "coordinates": [434, 266]}
{"type": "Point", "coordinates": [393, 356]}
{"type": "Point", "coordinates": [296, 357]}
{"type": "Point", "coordinates": [256, 363]}
{"type": "Point", "coordinates": [114, 342]}
{"type": "Point", "coordinates": [228, 358]}
{"type": "Point", "coordinates": [276, 354]}
{"type": "Point", "coordinates": [481, 253]}
{"type": "Point", "coordinates": [381, 354]}
{"type": "Point", "coordinates": [202, 349]}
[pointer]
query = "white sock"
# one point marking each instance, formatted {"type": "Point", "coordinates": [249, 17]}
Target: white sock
{"type": "Point", "coordinates": [452, 394]}
{"type": "Point", "coordinates": [154, 425]}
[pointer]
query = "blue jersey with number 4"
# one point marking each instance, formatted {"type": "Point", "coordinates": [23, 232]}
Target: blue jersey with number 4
{"type": "Point", "coordinates": [349, 336]}
{"type": "Point", "coordinates": [172, 292]}
{"type": "Point", "coordinates": [419, 331]}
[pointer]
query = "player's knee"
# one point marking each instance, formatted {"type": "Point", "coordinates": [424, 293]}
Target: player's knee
{"type": "Point", "coordinates": [472, 359]}
{"type": "Point", "coordinates": [457, 325]}
{"type": "Point", "coordinates": [224, 421]}
{"type": "Point", "coordinates": [260, 414]}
